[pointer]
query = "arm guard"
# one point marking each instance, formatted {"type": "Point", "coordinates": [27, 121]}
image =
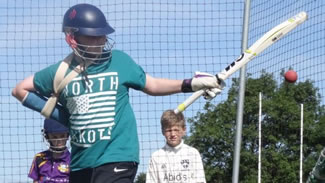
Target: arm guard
{"type": "Point", "coordinates": [36, 102]}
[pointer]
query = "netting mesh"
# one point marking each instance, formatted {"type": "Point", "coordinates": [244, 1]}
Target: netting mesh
{"type": "Point", "coordinates": [302, 50]}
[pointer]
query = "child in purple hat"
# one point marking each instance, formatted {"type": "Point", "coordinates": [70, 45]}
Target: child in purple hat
{"type": "Point", "coordinates": [52, 165]}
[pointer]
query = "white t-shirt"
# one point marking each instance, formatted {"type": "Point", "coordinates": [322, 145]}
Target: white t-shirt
{"type": "Point", "coordinates": [180, 164]}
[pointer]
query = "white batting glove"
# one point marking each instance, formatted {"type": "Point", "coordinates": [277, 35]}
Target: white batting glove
{"type": "Point", "coordinates": [209, 94]}
{"type": "Point", "coordinates": [202, 80]}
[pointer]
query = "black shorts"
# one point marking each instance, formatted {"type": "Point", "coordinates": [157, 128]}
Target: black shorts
{"type": "Point", "coordinates": [121, 172]}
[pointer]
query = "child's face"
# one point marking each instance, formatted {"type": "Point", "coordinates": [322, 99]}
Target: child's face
{"type": "Point", "coordinates": [93, 44]}
{"type": "Point", "coordinates": [174, 135]}
{"type": "Point", "coordinates": [58, 140]}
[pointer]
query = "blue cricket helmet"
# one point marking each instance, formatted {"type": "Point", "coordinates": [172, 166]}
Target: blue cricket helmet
{"type": "Point", "coordinates": [52, 126]}
{"type": "Point", "coordinates": [86, 19]}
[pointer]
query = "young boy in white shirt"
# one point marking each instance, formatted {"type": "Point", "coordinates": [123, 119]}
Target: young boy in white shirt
{"type": "Point", "coordinates": [176, 162]}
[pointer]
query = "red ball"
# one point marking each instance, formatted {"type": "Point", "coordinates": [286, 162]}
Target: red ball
{"type": "Point", "coordinates": [291, 76]}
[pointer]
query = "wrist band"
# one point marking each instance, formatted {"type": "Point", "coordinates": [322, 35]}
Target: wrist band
{"type": "Point", "coordinates": [187, 86]}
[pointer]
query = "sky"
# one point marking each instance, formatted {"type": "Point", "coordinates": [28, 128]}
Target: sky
{"type": "Point", "coordinates": [170, 39]}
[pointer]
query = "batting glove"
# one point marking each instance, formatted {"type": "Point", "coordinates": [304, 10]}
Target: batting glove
{"type": "Point", "coordinates": [202, 80]}
{"type": "Point", "coordinates": [211, 93]}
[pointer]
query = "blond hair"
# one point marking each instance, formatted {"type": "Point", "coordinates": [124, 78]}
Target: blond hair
{"type": "Point", "coordinates": [169, 119]}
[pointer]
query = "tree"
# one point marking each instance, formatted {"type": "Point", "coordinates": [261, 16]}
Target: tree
{"type": "Point", "coordinates": [141, 178]}
{"type": "Point", "coordinates": [213, 131]}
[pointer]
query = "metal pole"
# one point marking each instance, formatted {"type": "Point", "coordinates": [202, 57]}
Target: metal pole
{"type": "Point", "coordinates": [301, 138]}
{"type": "Point", "coordinates": [240, 105]}
{"type": "Point", "coordinates": [259, 137]}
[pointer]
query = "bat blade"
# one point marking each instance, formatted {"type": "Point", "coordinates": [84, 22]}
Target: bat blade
{"type": "Point", "coordinates": [260, 45]}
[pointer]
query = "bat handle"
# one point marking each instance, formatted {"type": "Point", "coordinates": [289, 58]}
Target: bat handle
{"type": "Point", "coordinates": [181, 107]}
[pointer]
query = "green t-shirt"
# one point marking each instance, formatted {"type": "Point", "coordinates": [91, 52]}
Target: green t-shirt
{"type": "Point", "coordinates": [102, 123]}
